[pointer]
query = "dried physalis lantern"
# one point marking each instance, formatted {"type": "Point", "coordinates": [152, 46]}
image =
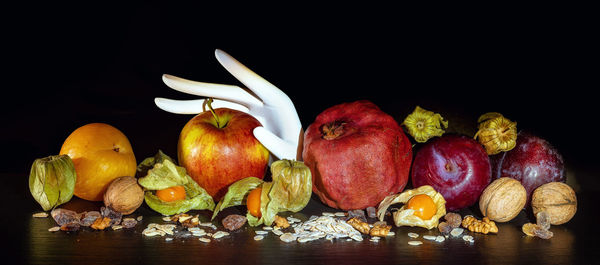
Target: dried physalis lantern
{"type": "Point", "coordinates": [496, 133]}
{"type": "Point", "coordinates": [423, 124]}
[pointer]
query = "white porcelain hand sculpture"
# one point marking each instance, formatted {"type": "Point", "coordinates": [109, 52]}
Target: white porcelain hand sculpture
{"type": "Point", "coordinates": [281, 132]}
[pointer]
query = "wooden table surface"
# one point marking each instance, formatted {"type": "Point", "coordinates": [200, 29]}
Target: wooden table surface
{"type": "Point", "coordinates": [31, 243]}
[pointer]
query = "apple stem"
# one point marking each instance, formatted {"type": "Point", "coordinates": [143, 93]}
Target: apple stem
{"type": "Point", "coordinates": [208, 103]}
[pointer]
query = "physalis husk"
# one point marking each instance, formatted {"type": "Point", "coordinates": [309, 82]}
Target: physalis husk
{"type": "Point", "coordinates": [405, 216]}
{"type": "Point", "coordinates": [423, 124]}
{"type": "Point", "coordinates": [496, 133]}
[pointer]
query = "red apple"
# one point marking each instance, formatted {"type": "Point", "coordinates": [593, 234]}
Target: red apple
{"type": "Point", "coordinates": [357, 155]}
{"type": "Point", "coordinates": [533, 162]}
{"type": "Point", "coordinates": [217, 150]}
{"type": "Point", "coordinates": [456, 166]}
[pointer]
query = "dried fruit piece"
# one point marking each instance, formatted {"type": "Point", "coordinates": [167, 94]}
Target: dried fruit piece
{"type": "Point", "coordinates": [543, 233]}
{"type": "Point", "coordinates": [360, 214]}
{"type": "Point", "coordinates": [114, 216]}
{"type": "Point", "coordinates": [536, 230]}
{"type": "Point", "coordinates": [453, 219]}
{"type": "Point", "coordinates": [423, 124]}
{"type": "Point", "coordinates": [371, 212]}
{"type": "Point", "coordinates": [528, 229]}
{"type": "Point", "coordinates": [129, 222]}
{"type": "Point", "coordinates": [101, 223]}
{"type": "Point", "coordinates": [543, 220]}
{"type": "Point", "coordinates": [234, 222]}
{"type": "Point", "coordinates": [445, 228]}
{"type": "Point", "coordinates": [88, 218]}
{"type": "Point", "coordinates": [63, 216]}
{"type": "Point", "coordinates": [496, 133]}
{"type": "Point", "coordinates": [70, 227]}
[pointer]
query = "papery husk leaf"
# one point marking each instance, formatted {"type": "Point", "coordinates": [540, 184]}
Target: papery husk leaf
{"type": "Point", "coordinates": [165, 174]}
{"type": "Point", "coordinates": [52, 180]}
{"type": "Point", "coordinates": [404, 216]}
{"type": "Point", "coordinates": [267, 211]}
{"type": "Point", "coordinates": [202, 201]}
{"type": "Point", "coordinates": [237, 193]}
{"type": "Point", "coordinates": [292, 188]}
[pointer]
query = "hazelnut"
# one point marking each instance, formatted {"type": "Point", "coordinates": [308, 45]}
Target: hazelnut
{"type": "Point", "coordinates": [557, 199]}
{"type": "Point", "coordinates": [503, 199]}
{"type": "Point", "coordinates": [124, 195]}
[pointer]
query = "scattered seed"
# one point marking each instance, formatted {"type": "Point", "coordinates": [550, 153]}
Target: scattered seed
{"type": "Point", "coordinates": [456, 232]}
{"type": "Point", "coordinates": [391, 233]}
{"type": "Point", "coordinates": [468, 238]}
{"type": "Point", "coordinates": [340, 214]}
{"type": "Point", "coordinates": [54, 229]}
{"type": "Point", "coordinates": [261, 232]}
{"type": "Point", "coordinates": [40, 215]}
{"type": "Point", "coordinates": [220, 234]}
{"type": "Point", "coordinates": [116, 227]}
{"type": "Point", "coordinates": [440, 239]}
{"type": "Point", "coordinates": [287, 237]}
{"type": "Point", "coordinates": [167, 219]}
{"type": "Point", "coordinates": [139, 218]}
{"type": "Point", "coordinates": [267, 228]}
{"type": "Point", "coordinates": [277, 232]}
{"type": "Point", "coordinates": [168, 238]}
{"type": "Point", "coordinates": [328, 214]}
{"type": "Point", "coordinates": [204, 239]}
{"type": "Point", "coordinates": [258, 237]}
{"type": "Point", "coordinates": [413, 235]}
{"type": "Point", "coordinates": [415, 243]}
{"type": "Point", "coordinates": [428, 237]}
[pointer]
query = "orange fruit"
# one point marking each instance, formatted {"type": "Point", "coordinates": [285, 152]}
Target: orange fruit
{"type": "Point", "coordinates": [175, 193]}
{"type": "Point", "coordinates": [101, 153]}
{"type": "Point", "coordinates": [423, 205]}
{"type": "Point", "coordinates": [253, 202]}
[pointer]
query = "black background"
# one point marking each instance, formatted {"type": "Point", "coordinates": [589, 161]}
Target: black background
{"type": "Point", "coordinates": [69, 65]}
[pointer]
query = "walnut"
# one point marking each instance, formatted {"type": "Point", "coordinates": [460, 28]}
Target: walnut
{"type": "Point", "coordinates": [557, 199]}
{"type": "Point", "coordinates": [281, 222]}
{"type": "Point", "coordinates": [484, 226]}
{"type": "Point", "coordinates": [503, 199]}
{"type": "Point", "coordinates": [359, 225]}
{"type": "Point", "coordinates": [380, 229]}
{"type": "Point", "coordinates": [124, 195]}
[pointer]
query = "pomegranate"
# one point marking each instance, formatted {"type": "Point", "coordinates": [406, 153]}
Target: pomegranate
{"type": "Point", "coordinates": [357, 155]}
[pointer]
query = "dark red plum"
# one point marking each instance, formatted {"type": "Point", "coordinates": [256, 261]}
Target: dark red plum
{"type": "Point", "coordinates": [454, 165]}
{"type": "Point", "coordinates": [533, 162]}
